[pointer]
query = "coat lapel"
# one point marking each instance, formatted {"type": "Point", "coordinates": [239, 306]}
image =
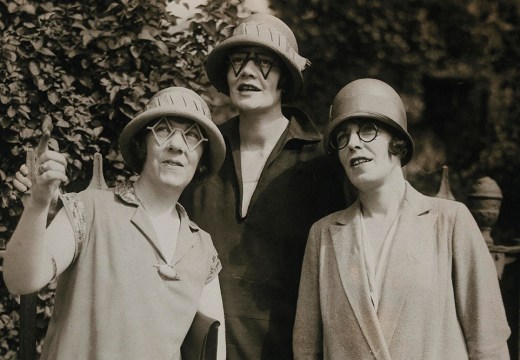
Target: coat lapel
{"type": "Point", "coordinates": [345, 232]}
{"type": "Point", "coordinates": [186, 236]}
{"type": "Point", "coordinates": [185, 241]}
{"type": "Point", "coordinates": [143, 223]}
{"type": "Point", "coordinates": [415, 220]}
{"type": "Point", "coordinates": [233, 143]}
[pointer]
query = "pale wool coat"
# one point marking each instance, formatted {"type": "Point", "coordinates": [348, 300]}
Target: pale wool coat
{"type": "Point", "coordinates": [440, 298]}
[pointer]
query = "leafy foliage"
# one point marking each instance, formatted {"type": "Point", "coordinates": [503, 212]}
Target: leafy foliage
{"type": "Point", "coordinates": [87, 67]}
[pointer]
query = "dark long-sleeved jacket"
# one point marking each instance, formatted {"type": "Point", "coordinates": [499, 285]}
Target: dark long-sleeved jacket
{"type": "Point", "coordinates": [262, 253]}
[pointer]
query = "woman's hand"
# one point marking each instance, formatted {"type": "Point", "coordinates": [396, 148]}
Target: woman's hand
{"type": "Point", "coordinates": [21, 182]}
{"type": "Point", "coordinates": [48, 174]}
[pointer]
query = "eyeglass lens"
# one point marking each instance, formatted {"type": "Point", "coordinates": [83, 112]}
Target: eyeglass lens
{"type": "Point", "coordinates": [264, 62]}
{"type": "Point", "coordinates": [164, 129]}
{"type": "Point", "coordinates": [367, 132]}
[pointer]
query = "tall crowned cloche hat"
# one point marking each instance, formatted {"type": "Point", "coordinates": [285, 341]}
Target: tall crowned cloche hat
{"type": "Point", "coordinates": [180, 102]}
{"type": "Point", "coordinates": [266, 31]}
{"type": "Point", "coordinates": [369, 98]}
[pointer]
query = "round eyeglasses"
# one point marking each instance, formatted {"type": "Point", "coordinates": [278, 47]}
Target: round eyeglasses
{"type": "Point", "coordinates": [239, 59]}
{"type": "Point", "coordinates": [367, 132]}
{"type": "Point", "coordinates": [164, 129]}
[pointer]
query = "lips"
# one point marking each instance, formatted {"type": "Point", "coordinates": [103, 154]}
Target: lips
{"type": "Point", "coordinates": [172, 163]}
{"type": "Point", "coordinates": [358, 161]}
{"type": "Point", "coordinates": [247, 87]}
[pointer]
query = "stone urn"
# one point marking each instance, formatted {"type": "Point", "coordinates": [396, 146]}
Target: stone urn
{"type": "Point", "coordinates": [484, 200]}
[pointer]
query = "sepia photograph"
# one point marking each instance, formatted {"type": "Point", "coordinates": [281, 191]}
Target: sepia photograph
{"type": "Point", "coordinates": [260, 179]}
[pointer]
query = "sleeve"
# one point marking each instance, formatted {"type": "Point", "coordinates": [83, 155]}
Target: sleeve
{"type": "Point", "coordinates": [308, 328]}
{"type": "Point", "coordinates": [214, 263]}
{"type": "Point", "coordinates": [76, 211]}
{"type": "Point", "coordinates": [477, 294]}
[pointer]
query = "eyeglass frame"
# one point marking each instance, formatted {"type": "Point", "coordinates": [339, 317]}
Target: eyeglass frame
{"type": "Point", "coordinates": [361, 124]}
{"type": "Point", "coordinates": [252, 55]}
{"type": "Point", "coordinates": [173, 130]}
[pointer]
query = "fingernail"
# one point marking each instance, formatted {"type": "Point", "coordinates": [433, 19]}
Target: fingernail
{"type": "Point", "coordinates": [48, 127]}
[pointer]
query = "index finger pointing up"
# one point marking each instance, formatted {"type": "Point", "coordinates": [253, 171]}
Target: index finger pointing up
{"type": "Point", "coordinates": [42, 145]}
{"type": "Point", "coordinates": [44, 140]}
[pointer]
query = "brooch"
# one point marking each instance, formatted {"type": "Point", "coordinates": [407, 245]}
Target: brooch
{"type": "Point", "coordinates": [167, 272]}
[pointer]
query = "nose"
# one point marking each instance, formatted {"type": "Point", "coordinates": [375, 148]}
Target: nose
{"type": "Point", "coordinates": [248, 68]}
{"type": "Point", "coordinates": [176, 141]}
{"type": "Point", "coordinates": [354, 141]}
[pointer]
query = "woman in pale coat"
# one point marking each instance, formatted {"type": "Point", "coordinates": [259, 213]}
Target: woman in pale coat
{"type": "Point", "coordinates": [397, 275]}
{"type": "Point", "coordinates": [132, 269]}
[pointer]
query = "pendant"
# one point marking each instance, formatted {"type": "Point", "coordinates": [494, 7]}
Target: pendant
{"type": "Point", "coordinates": [167, 272]}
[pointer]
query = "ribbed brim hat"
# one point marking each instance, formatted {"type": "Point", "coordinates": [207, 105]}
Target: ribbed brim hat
{"type": "Point", "coordinates": [265, 31]}
{"type": "Point", "coordinates": [179, 102]}
{"type": "Point", "coordinates": [369, 98]}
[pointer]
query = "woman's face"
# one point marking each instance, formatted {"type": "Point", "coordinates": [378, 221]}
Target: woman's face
{"type": "Point", "coordinates": [253, 74]}
{"type": "Point", "coordinates": [367, 163]}
{"type": "Point", "coordinates": [174, 148]}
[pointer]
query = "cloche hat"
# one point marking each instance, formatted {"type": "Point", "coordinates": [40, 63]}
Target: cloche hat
{"type": "Point", "coordinates": [369, 98]}
{"type": "Point", "coordinates": [180, 102]}
{"type": "Point", "coordinates": [266, 31]}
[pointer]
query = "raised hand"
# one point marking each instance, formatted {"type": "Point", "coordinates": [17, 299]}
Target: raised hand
{"type": "Point", "coordinates": [47, 175]}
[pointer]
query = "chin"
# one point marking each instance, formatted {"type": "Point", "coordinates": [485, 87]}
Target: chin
{"type": "Point", "coordinates": [248, 104]}
{"type": "Point", "coordinates": [360, 181]}
{"type": "Point", "coordinates": [176, 185]}
{"type": "Point", "coordinates": [175, 180]}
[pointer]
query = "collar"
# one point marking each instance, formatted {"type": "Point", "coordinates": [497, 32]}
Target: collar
{"type": "Point", "coordinates": [413, 200]}
{"type": "Point", "coordinates": [300, 126]}
{"type": "Point", "coordinates": [126, 192]}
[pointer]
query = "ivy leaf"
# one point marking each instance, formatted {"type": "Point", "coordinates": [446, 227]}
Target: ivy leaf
{"type": "Point", "coordinates": [40, 83]}
{"type": "Point", "coordinates": [53, 97]}
{"type": "Point", "coordinates": [62, 124]}
{"type": "Point", "coordinates": [113, 93]}
{"type": "Point", "coordinates": [12, 7]}
{"type": "Point", "coordinates": [9, 55]}
{"type": "Point", "coordinates": [46, 51]}
{"type": "Point", "coordinates": [53, 144]}
{"type": "Point", "coordinates": [5, 122]}
{"type": "Point", "coordinates": [28, 8]}
{"type": "Point", "coordinates": [162, 46]}
{"type": "Point", "coordinates": [78, 164]}
{"type": "Point", "coordinates": [5, 99]}
{"type": "Point", "coordinates": [97, 131]}
{"type": "Point", "coordinates": [11, 112]}
{"type": "Point", "coordinates": [26, 133]}
{"type": "Point", "coordinates": [135, 51]}
{"type": "Point", "coordinates": [69, 111]}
